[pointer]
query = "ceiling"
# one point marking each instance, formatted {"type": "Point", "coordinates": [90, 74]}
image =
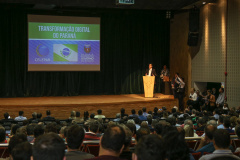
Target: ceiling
{"type": "Point", "coordinates": [102, 4]}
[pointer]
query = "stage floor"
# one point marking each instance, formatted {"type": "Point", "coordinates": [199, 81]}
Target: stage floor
{"type": "Point", "coordinates": [62, 106]}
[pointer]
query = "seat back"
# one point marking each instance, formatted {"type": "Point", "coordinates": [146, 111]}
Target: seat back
{"type": "Point", "coordinates": [197, 155]}
{"type": "Point", "coordinates": [92, 149]}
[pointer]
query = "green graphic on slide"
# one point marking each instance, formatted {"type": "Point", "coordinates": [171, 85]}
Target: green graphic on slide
{"type": "Point", "coordinates": [64, 31]}
{"type": "Point", "coordinates": [65, 52]}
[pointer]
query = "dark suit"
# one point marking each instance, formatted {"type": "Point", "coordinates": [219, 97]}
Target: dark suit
{"type": "Point", "coordinates": [48, 118]}
{"type": "Point", "coordinates": [153, 72]}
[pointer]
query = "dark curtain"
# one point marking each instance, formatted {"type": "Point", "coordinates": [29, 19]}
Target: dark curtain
{"type": "Point", "coordinates": [130, 40]}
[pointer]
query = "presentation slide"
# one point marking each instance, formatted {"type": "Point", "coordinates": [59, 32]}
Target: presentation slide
{"type": "Point", "coordinates": [61, 43]}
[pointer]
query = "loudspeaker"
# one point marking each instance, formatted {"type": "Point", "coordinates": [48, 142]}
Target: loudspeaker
{"type": "Point", "coordinates": [193, 38]}
{"type": "Point", "coordinates": [194, 20]}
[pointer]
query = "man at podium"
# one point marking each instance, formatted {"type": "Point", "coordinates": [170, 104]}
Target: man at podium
{"type": "Point", "coordinates": [150, 71]}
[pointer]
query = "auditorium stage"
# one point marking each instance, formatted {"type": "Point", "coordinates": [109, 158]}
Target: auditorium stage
{"type": "Point", "coordinates": [62, 106]}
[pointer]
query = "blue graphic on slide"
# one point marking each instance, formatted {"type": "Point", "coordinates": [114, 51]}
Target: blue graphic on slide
{"type": "Point", "coordinates": [64, 52]}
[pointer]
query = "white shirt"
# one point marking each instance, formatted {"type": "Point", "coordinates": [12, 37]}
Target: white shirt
{"type": "Point", "coordinates": [150, 72]}
{"type": "Point", "coordinates": [180, 82]}
{"type": "Point", "coordinates": [194, 96]}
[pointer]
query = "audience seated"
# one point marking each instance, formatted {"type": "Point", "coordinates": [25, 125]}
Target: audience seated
{"type": "Point", "coordinates": [144, 109]}
{"type": "Point", "coordinates": [30, 132]}
{"type": "Point", "coordinates": [133, 115]}
{"type": "Point", "coordinates": [74, 139]}
{"type": "Point", "coordinates": [49, 147]}
{"type": "Point", "coordinates": [15, 140]}
{"type": "Point", "coordinates": [34, 117]}
{"type": "Point", "coordinates": [48, 118]}
{"type": "Point", "coordinates": [93, 130]}
{"type": "Point", "coordinates": [142, 132]}
{"type": "Point", "coordinates": [123, 114]}
{"type": "Point", "coordinates": [90, 120]}
{"type": "Point", "coordinates": [38, 131]}
{"type": "Point", "coordinates": [141, 116]}
{"type": "Point", "coordinates": [20, 117]}
{"type": "Point", "coordinates": [72, 116]}
{"type": "Point", "coordinates": [22, 151]}
{"type": "Point", "coordinates": [126, 153]}
{"type": "Point", "coordinates": [221, 142]}
{"type": "Point", "coordinates": [6, 118]}
{"type": "Point", "coordinates": [78, 119]}
{"type": "Point", "coordinates": [149, 147]}
{"type": "Point", "coordinates": [99, 116]}
{"type": "Point", "coordinates": [206, 144]}
{"type": "Point", "coordinates": [112, 143]}
{"type": "Point", "coordinates": [2, 135]}
{"type": "Point", "coordinates": [227, 124]}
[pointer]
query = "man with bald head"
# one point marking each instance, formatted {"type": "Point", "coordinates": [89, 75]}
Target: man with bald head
{"type": "Point", "coordinates": [111, 143]}
{"type": "Point", "coordinates": [206, 144]}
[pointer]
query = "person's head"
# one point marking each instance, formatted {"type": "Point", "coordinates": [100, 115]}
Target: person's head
{"type": "Point", "coordinates": [21, 113]}
{"type": "Point", "coordinates": [188, 122]}
{"type": "Point", "coordinates": [2, 135]}
{"type": "Point", "coordinates": [94, 127]}
{"type": "Point", "coordinates": [122, 111]}
{"type": "Point", "coordinates": [38, 130]}
{"type": "Point", "coordinates": [209, 130]}
{"type": "Point", "coordinates": [136, 120]}
{"type": "Point", "coordinates": [113, 140]}
{"type": "Point", "coordinates": [39, 115]}
{"type": "Point", "coordinates": [220, 119]}
{"type": "Point", "coordinates": [48, 147]}
{"type": "Point", "coordinates": [142, 132]}
{"type": "Point", "coordinates": [155, 110]}
{"type": "Point", "coordinates": [164, 67]}
{"type": "Point", "coordinates": [75, 136]}
{"type": "Point", "coordinates": [6, 115]}
{"type": "Point", "coordinates": [128, 138]}
{"type": "Point", "coordinates": [144, 109]}
{"type": "Point", "coordinates": [133, 111]}
{"type": "Point", "coordinates": [78, 114]}
{"type": "Point", "coordinates": [99, 112]}
{"type": "Point", "coordinates": [221, 90]}
{"type": "Point", "coordinates": [189, 132]}
{"type": "Point", "coordinates": [150, 66]}
{"type": "Point", "coordinates": [175, 146]}
{"type": "Point", "coordinates": [158, 128]}
{"type": "Point", "coordinates": [212, 122]}
{"type": "Point", "coordinates": [132, 127]}
{"type": "Point", "coordinates": [14, 128]}
{"type": "Point", "coordinates": [209, 92]}
{"type": "Point", "coordinates": [92, 116]}
{"type": "Point", "coordinates": [214, 90]}
{"type": "Point", "coordinates": [51, 127]}
{"type": "Point", "coordinates": [16, 139]}
{"type": "Point", "coordinates": [30, 129]}
{"type": "Point", "coordinates": [149, 147]}
{"type": "Point", "coordinates": [48, 112]}
{"type": "Point", "coordinates": [174, 110]}
{"type": "Point", "coordinates": [225, 105]}
{"type": "Point", "coordinates": [192, 90]}
{"type": "Point", "coordinates": [22, 151]}
{"type": "Point", "coordinates": [73, 114]}
{"type": "Point", "coordinates": [176, 75]}
{"type": "Point", "coordinates": [34, 115]}
{"type": "Point", "coordinates": [221, 139]}
{"type": "Point", "coordinates": [118, 115]}
{"type": "Point", "coordinates": [140, 112]}
{"type": "Point", "coordinates": [226, 122]}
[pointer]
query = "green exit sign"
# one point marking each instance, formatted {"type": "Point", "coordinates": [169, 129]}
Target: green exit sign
{"type": "Point", "coordinates": [125, 1]}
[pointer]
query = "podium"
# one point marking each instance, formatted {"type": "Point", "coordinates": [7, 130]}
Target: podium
{"type": "Point", "coordinates": [148, 82]}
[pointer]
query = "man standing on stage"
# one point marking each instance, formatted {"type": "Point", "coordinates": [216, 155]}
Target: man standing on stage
{"type": "Point", "coordinates": [150, 71]}
{"type": "Point", "coordinates": [164, 73]}
{"type": "Point", "coordinates": [180, 91]}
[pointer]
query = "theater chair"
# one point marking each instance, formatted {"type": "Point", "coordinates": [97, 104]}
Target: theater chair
{"type": "Point", "coordinates": [193, 144]}
{"type": "Point", "coordinates": [236, 143]}
{"type": "Point", "coordinates": [197, 155]}
{"type": "Point", "coordinates": [92, 149]}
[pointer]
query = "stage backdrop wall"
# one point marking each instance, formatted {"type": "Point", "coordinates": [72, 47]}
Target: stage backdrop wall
{"type": "Point", "coordinates": [129, 41]}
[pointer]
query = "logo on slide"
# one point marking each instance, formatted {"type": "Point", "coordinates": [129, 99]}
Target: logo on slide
{"type": "Point", "coordinates": [87, 48]}
{"type": "Point", "coordinates": [65, 52]}
{"type": "Point", "coordinates": [42, 50]}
